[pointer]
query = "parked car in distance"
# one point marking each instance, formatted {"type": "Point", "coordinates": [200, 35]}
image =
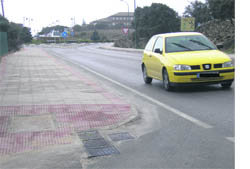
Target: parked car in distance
{"type": "Point", "coordinates": [185, 58]}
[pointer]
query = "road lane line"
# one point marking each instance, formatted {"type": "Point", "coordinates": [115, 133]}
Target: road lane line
{"type": "Point", "coordinates": [165, 106]}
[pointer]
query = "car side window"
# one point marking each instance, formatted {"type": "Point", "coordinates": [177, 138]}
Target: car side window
{"type": "Point", "coordinates": [158, 48]}
{"type": "Point", "coordinates": [150, 44]}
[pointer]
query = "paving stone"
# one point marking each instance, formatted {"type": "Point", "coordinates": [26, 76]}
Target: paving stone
{"type": "Point", "coordinates": [120, 136]}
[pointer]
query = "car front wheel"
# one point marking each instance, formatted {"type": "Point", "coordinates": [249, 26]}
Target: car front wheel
{"type": "Point", "coordinates": [166, 83]}
{"type": "Point", "coordinates": [226, 84]}
{"type": "Point", "coordinates": [146, 79]}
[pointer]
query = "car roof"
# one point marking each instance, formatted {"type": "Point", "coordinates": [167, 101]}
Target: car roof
{"type": "Point", "coordinates": [178, 34]}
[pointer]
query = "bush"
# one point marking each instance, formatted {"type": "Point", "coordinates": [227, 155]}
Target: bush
{"type": "Point", "coordinates": [16, 34]}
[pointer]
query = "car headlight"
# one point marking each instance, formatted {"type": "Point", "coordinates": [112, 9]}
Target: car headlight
{"type": "Point", "coordinates": [182, 67]}
{"type": "Point", "coordinates": [227, 64]}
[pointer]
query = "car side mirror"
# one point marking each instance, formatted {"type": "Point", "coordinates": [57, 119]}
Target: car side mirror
{"type": "Point", "coordinates": [219, 46]}
{"type": "Point", "coordinates": [157, 50]}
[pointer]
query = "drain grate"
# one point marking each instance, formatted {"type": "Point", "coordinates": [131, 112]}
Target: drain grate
{"type": "Point", "coordinates": [94, 152]}
{"type": "Point", "coordinates": [120, 136]}
{"type": "Point", "coordinates": [96, 145]}
{"type": "Point", "coordinates": [89, 135]}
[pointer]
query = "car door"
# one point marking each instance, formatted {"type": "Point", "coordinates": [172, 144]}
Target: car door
{"type": "Point", "coordinates": [147, 58]}
{"type": "Point", "coordinates": [156, 58]}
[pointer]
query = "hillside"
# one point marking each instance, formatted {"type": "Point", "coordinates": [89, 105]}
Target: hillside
{"type": "Point", "coordinates": [220, 32]}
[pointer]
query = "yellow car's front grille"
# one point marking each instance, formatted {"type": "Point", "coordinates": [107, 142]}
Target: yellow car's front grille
{"type": "Point", "coordinates": [206, 79]}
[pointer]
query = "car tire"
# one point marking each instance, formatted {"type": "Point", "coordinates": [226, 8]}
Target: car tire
{"type": "Point", "coordinates": [226, 85]}
{"type": "Point", "coordinates": [146, 79]}
{"type": "Point", "coordinates": [166, 82]}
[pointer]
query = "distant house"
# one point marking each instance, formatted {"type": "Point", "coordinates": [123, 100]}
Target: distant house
{"type": "Point", "coordinates": [53, 33]}
{"type": "Point", "coordinates": [121, 18]}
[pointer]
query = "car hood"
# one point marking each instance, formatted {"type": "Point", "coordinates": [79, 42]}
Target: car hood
{"type": "Point", "coordinates": [198, 57]}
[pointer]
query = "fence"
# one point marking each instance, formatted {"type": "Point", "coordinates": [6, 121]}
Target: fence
{"type": "Point", "coordinates": [3, 44]}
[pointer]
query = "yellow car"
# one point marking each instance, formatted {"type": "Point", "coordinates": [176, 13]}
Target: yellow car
{"type": "Point", "coordinates": [185, 58]}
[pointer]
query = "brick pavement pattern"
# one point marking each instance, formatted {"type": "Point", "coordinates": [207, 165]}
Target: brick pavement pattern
{"type": "Point", "coordinates": [43, 102]}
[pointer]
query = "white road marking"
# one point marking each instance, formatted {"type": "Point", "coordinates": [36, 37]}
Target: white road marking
{"type": "Point", "coordinates": [230, 139]}
{"type": "Point", "coordinates": [165, 106]}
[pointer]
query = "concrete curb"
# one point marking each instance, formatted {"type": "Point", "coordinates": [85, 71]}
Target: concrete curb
{"type": "Point", "coordinates": [122, 49]}
{"type": "Point", "coordinates": [232, 56]}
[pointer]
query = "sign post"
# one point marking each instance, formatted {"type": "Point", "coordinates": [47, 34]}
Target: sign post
{"type": "Point", "coordinates": [188, 24]}
{"type": "Point", "coordinates": [64, 35]}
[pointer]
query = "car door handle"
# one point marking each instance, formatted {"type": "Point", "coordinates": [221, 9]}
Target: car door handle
{"type": "Point", "coordinates": [150, 55]}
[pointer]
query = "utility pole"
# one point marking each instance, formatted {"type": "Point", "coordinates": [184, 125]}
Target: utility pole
{"type": "Point", "coordinates": [135, 23]}
{"type": "Point", "coordinates": [127, 17]}
{"type": "Point", "coordinates": [2, 8]}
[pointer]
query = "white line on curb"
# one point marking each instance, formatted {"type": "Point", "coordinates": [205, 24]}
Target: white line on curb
{"type": "Point", "coordinates": [165, 106]}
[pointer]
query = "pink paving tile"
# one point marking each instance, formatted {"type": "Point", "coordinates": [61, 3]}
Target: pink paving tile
{"type": "Point", "coordinates": [3, 124]}
{"type": "Point", "coordinates": [82, 117]}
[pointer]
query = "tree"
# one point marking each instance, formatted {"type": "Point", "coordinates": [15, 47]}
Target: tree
{"type": "Point", "coordinates": [77, 28]}
{"type": "Point", "coordinates": [4, 24]}
{"type": "Point", "coordinates": [25, 35]}
{"type": "Point", "coordinates": [84, 23]}
{"type": "Point", "coordinates": [13, 33]}
{"type": "Point", "coordinates": [222, 9]}
{"type": "Point", "coordinates": [16, 33]}
{"type": "Point", "coordinates": [95, 36]}
{"type": "Point", "coordinates": [47, 30]}
{"type": "Point", "coordinates": [102, 25]}
{"type": "Point", "coordinates": [200, 11]}
{"type": "Point", "coordinates": [157, 18]}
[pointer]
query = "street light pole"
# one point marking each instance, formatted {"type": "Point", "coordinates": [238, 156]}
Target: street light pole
{"type": "Point", "coordinates": [135, 24]}
{"type": "Point", "coordinates": [2, 8]}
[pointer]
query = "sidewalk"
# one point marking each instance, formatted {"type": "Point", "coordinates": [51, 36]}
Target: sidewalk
{"type": "Point", "coordinates": [44, 102]}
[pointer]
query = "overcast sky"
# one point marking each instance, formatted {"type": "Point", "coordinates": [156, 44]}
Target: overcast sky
{"type": "Point", "coordinates": [43, 13]}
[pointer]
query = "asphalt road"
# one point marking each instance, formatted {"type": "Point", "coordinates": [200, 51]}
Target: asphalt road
{"type": "Point", "coordinates": [193, 126]}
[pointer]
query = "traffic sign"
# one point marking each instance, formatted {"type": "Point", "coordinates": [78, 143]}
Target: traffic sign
{"type": "Point", "coordinates": [125, 30]}
{"type": "Point", "coordinates": [187, 24]}
{"type": "Point", "coordinates": [64, 34]}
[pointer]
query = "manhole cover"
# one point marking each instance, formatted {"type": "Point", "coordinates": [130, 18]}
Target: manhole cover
{"type": "Point", "coordinates": [89, 135]}
{"type": "Point", "coordinates": [94, 152]}
{"type": "Point", "coordinates": [98, 143]}
{"type": "Point", "coordinates": [120, 136]}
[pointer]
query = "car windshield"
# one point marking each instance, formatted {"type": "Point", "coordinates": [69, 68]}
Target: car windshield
{"type": "Point", "coordinates": [188, 43]}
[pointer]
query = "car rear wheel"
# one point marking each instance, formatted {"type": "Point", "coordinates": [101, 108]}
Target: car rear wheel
{"type": "Point", "coordinates": [146, 79]}
{"type": "Point", "coordinates": [226, 85]}
{"type": "Point", "coordinates": [166, 83]}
